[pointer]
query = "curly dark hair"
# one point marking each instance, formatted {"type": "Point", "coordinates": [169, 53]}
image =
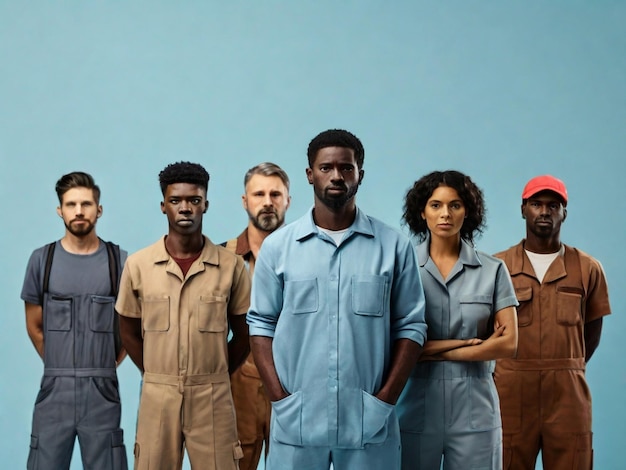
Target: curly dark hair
{"type": "Point", "coordinates": [184, 172]}
{"type": "Point", "coordinates": [336, 138]}
{"type": "Point", "coordinates": [471, 195]}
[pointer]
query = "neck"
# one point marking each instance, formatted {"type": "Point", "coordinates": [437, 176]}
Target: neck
{"type": "Point", "coordinates": [334, 219]}
{"type": "Point", "coordinates": [449, 247]}
{"type": "Point", "coordinates": [255, 238]}
{"type": "Point", "coordinates": [80, 245]}
{"type": "Point", "coordinates": [542, 245]}
{"type": "Point", "coordinates": [184, 246]}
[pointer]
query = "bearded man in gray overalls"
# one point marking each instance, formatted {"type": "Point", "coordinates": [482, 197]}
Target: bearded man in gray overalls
{"type": "Point", "coordinates": [69, 293]}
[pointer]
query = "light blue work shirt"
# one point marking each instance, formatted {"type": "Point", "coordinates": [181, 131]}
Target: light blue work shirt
{"type": "Point", "coordinates": [334, 313]}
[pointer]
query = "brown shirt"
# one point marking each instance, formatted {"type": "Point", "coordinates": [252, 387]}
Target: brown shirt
{"type": "Point", "coordinates": [552, 314]}
{"type": "Point", "coordinates": [184, 318]}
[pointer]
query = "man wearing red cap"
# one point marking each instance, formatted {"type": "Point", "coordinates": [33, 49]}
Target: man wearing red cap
{"type": "Point", "coordinates": [563, 295]}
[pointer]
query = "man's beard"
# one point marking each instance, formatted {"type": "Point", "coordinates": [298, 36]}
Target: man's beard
{"type": "Point", "coordinates": [338, 201]}
{"type": "Point", "coordinates": [83, 230]}
{"type": "Point", "coordinates": [267, 221]}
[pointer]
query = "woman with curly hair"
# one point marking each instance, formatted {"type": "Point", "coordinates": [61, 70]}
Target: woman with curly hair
{"type": "Point", "coordinates": [449, 408]}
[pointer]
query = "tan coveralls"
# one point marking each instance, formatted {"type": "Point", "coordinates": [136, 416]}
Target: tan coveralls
{"type": "Point", "coordinates": [251, 403]}
{"type": "Point", "coordinates": [186, 399]}
{"type": "Point", "coordinates": [544, 397]}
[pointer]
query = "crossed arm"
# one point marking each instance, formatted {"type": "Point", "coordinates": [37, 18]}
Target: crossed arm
{"type": "Point", "coordinates": [501, 344]}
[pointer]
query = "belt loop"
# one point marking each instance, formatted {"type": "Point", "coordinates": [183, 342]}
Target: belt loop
{"type": "Point", "coordinates": [181, 381]}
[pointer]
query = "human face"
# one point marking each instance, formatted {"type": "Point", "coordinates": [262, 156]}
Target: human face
{"type": "Point", "coordinates": [184, 204]}
{"type": "Point", "coordinates": [335, 176]}
{"type": "Point", "coordinates": [444, 213]}
{"type": "Point", "coordinates": [79, 211]}
{"type": "Point", "coordinates": [266, 201]}
{"type": "Point", "coordinates": [544, 214]}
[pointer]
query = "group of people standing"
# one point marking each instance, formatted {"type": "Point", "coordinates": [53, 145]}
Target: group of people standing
{"type": "Point", "coordinates": [329, 340]}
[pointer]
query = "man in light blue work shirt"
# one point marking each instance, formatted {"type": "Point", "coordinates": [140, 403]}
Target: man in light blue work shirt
{"type": "Point", "coordinates": [336, 323]}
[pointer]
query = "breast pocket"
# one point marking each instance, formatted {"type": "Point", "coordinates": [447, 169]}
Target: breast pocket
{"type": "Point", "coordinates": [301, 296]}
{"type": "Point", "coordinates": [525, 309]}
{"type": "Point", "coordinates": [211, 313]}
{"type": "Point", "coordinates": [58, 313]}
{"type": "Point", "coordinates": [369, 294]}
{"type": "Point", "coordinates": [156, 314]}
{"type": "Point", "coordinates": [101, 314]}
{"type": "Point", "coordinates": [476, 313]}
{"type": "Point", "coordinates": [569, 305]}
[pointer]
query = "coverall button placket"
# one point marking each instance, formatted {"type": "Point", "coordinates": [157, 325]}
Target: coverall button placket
{"type": "Point", "coordinates": [333, 299]}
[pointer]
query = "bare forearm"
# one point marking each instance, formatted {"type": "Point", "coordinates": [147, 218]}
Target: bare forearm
{"type": "Point", "coordinates": [438, 346]}
{"type": "Point", "coordinates": [239, 345]}
{"type": "Point", "coordinates": [264, 359]}
{"type": "Point", "coordinates": [404, 356]}
{"type": "Point", "coordinates": [36, 338]}
{"type": "Point", "coordinates": [132, 339]}
{"type": "Point", "coordinates": [34, 326]}
{"type": "Point", "coordinates": [593, 331]}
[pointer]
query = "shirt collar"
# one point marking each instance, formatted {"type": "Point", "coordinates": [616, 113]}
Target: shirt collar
{"type": "Point", "coordinates": [361, 225]}
{"type": "Point", "coordinates": [209, 255]}
{"type": "Point", "coordinates": [467, 256]}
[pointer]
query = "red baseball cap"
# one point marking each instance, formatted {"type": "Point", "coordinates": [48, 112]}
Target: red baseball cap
{"type": "Point", "coordinates": [545, 183]}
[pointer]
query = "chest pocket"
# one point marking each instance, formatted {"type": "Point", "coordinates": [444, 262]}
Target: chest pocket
{"type": "Point", "coordinates": [476, 313]}
{"type": "Point", "coordinates": [525, 309]}
{"type": "Point", "coordinates": [569, 304]}
{"type": "Point", "coordinates": [301, 296]}
{"type": "Point", "coordinates": [101, 314]}
{"type": "Point", "coordinates": [156, 314]}
{"type": "Point", "coordinates": [58, 314]}
{"type": "Point", "coordinates": [212, 313]}
{"type": "Point", "coordinates": [368, 295]}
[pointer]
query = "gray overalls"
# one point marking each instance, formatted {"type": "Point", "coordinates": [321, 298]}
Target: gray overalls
{"type": "Point", "coordinates": [79, 392]}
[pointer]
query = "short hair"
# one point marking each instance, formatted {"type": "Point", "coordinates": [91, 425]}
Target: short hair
{"type": "Point", "coordinates": [266, 169]}
{"type": "Point", "coordinates": [77, 179]}
{"type": "Point", "coordinates": [336, 138]}
{"type": "Point", "coordinates": [471, 195]}
{"type": "Point", "coordinates": [184, 172]}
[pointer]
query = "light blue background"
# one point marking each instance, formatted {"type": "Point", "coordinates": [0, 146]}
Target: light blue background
{"type": "Point", "coordinates": [502, 90]}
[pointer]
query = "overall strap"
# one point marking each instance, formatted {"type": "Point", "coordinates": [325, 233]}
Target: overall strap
{"type": "Point", "coordinates": [48, 266]}
{"type": "Point", "coordinates": [113, 253]}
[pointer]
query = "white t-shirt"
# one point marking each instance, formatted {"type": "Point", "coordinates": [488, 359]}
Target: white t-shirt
{"type": "Point", "coordinates": [542, 261]}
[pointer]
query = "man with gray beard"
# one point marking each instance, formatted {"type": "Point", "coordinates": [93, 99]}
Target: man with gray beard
{"type": "Point", "coordinates": [266, 201]}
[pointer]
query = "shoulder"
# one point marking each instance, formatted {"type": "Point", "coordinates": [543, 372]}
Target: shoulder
{"type": "Point", "coordinates": [148, 253]}
{"type": "Point", "coordinates": [382, 229]}
{"type": "Point", "coordinates": [490, 260]}
{"type": "Point", "coordinates": [513, 251]}
{"type": "Point", "coordinates": [586, 260]}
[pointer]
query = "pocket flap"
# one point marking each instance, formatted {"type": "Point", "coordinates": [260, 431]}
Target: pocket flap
{"type": "Point", "coordinates": [524, 294]}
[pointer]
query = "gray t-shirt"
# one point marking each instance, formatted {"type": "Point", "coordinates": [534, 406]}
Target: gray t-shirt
{"type": "Point", "coordinates": [78, 312]}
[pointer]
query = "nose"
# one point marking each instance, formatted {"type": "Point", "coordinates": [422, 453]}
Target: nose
{"type": "Point", "coordinates": [444, 211]}
{"type": "Point", "coordinates": [185, 207]}
{"type": "Point", "coordinates": [267, 200]}
{"type": "Point", "coordinates": [336, 175]}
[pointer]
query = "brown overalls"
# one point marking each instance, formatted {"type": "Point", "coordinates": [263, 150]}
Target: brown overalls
{"type": "Point", "coordinates": [186, 400]}
{"type": "Point", "coordinates": [544, 397]}
{"type": "Point", "coordinates": [251, 403]}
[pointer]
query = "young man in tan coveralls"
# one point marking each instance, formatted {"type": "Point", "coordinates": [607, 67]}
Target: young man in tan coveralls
{"type": "Point", "coordinates": [177, 300]}
{"type": "Point", "coordinates": [562, 292]}
{"type": "Point", "coordinates": [266, 201]}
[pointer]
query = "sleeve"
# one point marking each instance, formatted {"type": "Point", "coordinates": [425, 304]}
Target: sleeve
{"type": "Point", "coordinates": [128, 303]}
{"type": "Point", "coordinates": [408, 303]}
{"type": "Point", "coordinates": [240, 290]}
{"type": "Point", "coordinates": [504, 295]}
{"type": "Point", "coordinates": [597, 304]}
{"type": "Point", "coordinates": [32, 289]}
{"type": "Point", "coordinates": [266, 301]}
